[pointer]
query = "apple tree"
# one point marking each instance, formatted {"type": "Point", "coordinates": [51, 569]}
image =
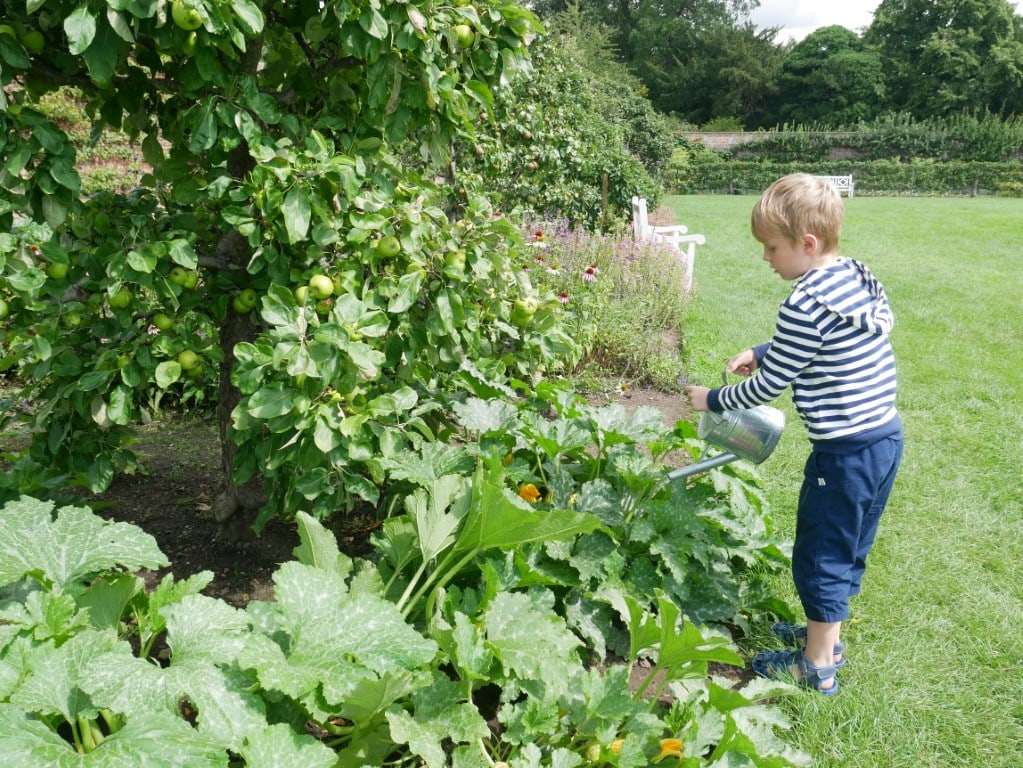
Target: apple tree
{"type": "Point", "coordinates": [278, 256]}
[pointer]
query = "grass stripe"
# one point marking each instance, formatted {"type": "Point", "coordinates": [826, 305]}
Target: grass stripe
{"type": "Point", "coordinates": [937, 641]}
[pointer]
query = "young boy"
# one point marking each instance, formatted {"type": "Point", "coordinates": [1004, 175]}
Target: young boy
{"type": "Point", "coordinates": [831, 346]}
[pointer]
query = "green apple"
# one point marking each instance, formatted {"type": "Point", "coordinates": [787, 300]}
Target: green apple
{"type": "Point", "coordinates": [191, 44]}
{"type": "Point", "coordinates": [72, 320]}
{"type": "Point", "coordinates": [523, 311]}
{"type": "Point", "coordinates": [162, 321]}
{"type": "Point", "coordinates": [57, 270]}
{"type": "Point", "coordinates": [33, 41]}
{"type": "Point", "coordinates": [302, 294]}
{"type": "Point", "coordinates": [249, 297]}
{"type": "Point", "coordinates": [185, 15]}
{"type": "Point", "coordinates": [455, 260]}
{"type": "Point", "coordinates": [388, 246]}
{"type": "Point", "coordinates": [191, 279]}
{"type": "Point", "coordinates": [321, 286]}
{"type": "Point", "coordinates": [123, 361]}
{"type": "Point", "coordinates": [464, 35]}
{"type": "Point", "coordinates": [101, 223]}
{"type": "Point", "coordinates": [188, 360]}
{"type": "Point", "coordinates": [178, 275]}
{"type": "Point", "coordinates": [5, 309]}
{"type": "Point", "coordinates": [196, 372]}
{"type": "Point", "coordinates": [323, 306]}
{"type": "Point", "coordinates": [121, 299]}
{"type": "Point", "coordinates": [239, 306]}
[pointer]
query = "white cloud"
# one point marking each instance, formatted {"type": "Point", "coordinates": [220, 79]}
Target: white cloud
{"type": "Point", "coordinates": [798, 18]}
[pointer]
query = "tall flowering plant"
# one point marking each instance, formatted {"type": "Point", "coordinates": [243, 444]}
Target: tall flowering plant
{"type": "Point", "coordinates": [615, 295]}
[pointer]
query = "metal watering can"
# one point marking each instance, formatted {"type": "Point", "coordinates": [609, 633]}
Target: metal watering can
{"type": "Point", "coordinates": [749, 434]}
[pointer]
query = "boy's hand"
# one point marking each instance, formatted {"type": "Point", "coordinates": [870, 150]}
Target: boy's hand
{"type": "Point", "coordinates": [743, 363]}
{"type": "Point", "coordinates": [697, 397]}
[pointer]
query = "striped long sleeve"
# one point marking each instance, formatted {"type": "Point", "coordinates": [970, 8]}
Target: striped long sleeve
{"type": "Point", "coordinates": [831, 346]}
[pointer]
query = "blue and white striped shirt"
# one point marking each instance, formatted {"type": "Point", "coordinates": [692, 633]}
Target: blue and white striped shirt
{"type": "Point", "coordinates": [831, 345]}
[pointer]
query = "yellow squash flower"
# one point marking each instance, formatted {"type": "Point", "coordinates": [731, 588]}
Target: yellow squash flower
{"type": "Point", "coordinates": [530, 493]}
{"type": "Point", "coordinates": [669, 748]}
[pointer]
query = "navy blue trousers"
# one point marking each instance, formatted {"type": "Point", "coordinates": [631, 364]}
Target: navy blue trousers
{"type": "Point", "coordinates": [840, 506]}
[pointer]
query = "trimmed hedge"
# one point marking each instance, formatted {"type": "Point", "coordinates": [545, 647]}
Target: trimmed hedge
{"type": "Point", "coordinates": [703, 175]}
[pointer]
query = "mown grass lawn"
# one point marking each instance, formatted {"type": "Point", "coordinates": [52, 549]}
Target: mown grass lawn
{"type": "Point", "coordinates": [936, 640]}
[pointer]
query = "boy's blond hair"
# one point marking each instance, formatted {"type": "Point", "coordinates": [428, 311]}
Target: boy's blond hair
{"type": "Point", "coordinates": [796, 205]}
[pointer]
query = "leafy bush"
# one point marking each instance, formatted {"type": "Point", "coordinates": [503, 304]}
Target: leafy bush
{"type": "Point", "coordinates": [879, 177]}
{"type": "Point", "coordinates": [549, 150]}
{"type": "Point", "coordinates": [332, 672]}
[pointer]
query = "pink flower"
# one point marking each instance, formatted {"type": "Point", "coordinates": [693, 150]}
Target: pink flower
{"type": "Point", "coordinates": [563, 297]}
{"type": "Point", "coordinates": [590, 273]}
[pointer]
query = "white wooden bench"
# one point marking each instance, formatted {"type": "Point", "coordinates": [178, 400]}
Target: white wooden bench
{"type": "Point", "coordinates": [842, 184]}
{"type": "Point", "coordinates": [676, 236]}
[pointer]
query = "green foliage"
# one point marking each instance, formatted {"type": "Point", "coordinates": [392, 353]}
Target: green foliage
{"type": "Point", "coordinates": [879, 177]}
{"type": "Point", "coordinates": [553, 149]}
{"type": "Point", "coordinates": [333, 655]}
{"type": "Point", "coordinates": [270, 161]}
{"type": "Point", "coordinates": [655, 538]}
{"type": "Point", "coordinates": [830, 77]}
{"type": "Point", "coordinates": [942, 57]}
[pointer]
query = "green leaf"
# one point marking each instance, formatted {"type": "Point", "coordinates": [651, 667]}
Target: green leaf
{"type": "Point", "coordinates": [204, 129]}
{"type": "Point", "coordinates": [435, 524]}
{"type": "Point", "coordinates": [182, 252]}
{"type": "Point", "coordinates": [80, 28]}
{"type": "Point", "coordinates": [206, 636]}
{"type": "Point", "coordinates": [529, 643]}
{"type": "Point", "coordinates": [297, 214]}
{"type": "Point", "coordinates": [107, 598]}
{"type": "Point", "coordinates": [249, 16]}
{"type": "Point", "coordinates": [71, 548]}
{"type": "Point", "coordinates": [499, 518]}
{"type": "Point", "coordinates": [409, 286]}
{"type": "Point", "coordinates": [271, 401]}
{"type": "Point", "coordinates": [318, 546]}
{"type": "Point", "coordinates": [337, 639]}
{"type": "Point", "coordinates": [160, 741]}
{"type": "Point", "coordinates": [439, 713]}
{"type": "Point", "coordinates": [281, 746]}
{"type": "Point", "coordinates": [432, 462]}
{"type": "Point", "coordinates": [54, 686]}
{"type": "Point", "coordinates": [373, 23]}
{"type": "Point", "coordinates": [12, 53]}
{"type": "Point", "coordinates": [151, 620]}
{"type": "Point", "coordinates": [279, 309]}
{"type": "Point", "coordinates": [487, 417]}
{"type": "Point", "coordinates": [167, 373]}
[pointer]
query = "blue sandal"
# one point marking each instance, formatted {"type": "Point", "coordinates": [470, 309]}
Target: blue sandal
{"type": "Point", "coordinates": [795, 634]}
{"type": "Point", "coordinates": [777, 665]}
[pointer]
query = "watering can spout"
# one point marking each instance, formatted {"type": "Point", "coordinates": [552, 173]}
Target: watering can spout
{"type": "Point", "coordinates": [702, 466]}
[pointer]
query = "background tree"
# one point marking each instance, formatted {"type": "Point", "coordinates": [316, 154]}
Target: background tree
{"type": "Point", "coordinates": [737, 75]}
{"type": "Point", "coordinates": [268, 126]}
{"type": "Point", "coordinates": [830, 78]}
{"type": "Point", "coordinates": [945, 56]}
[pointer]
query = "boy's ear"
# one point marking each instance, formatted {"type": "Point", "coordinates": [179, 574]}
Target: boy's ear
{"type": "Point", "coordinates": [810, 243]}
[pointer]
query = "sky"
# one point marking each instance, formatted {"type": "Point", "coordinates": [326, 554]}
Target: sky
{"type": "Point", "coordinates": [801, 17]}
